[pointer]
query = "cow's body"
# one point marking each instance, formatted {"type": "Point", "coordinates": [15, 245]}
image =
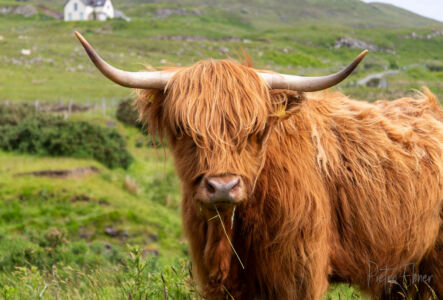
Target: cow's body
{"type": "Point", "coordinates": [323, 188]}
{"type": "Point", "coordinates": [348, 189]}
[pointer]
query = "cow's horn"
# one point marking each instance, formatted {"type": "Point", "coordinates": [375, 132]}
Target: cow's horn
{"type": "Point", "coordinates": [141, 80]}
{"type": "Point", "coordinates": [310, 84]}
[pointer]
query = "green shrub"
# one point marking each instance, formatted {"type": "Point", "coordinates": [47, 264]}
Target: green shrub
{"type": "Point", "coordinates": [146, 279]}
{"type": "Point", "coordinates": [434, 66]}
{"type": "Point", "coordinates": [13, 114]}
{"type": "Point", "coordinates": [127, 114]}
{"type": "Point", "coordinates": [16, 252]}
{"type": "Point", "coordinates": [138, 276]}
{"type": "Point", "coordinates": [393, 65]}
{"type": "Point", "coordinates": [53, 136]}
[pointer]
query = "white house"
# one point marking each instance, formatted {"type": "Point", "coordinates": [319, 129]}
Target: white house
{"type": "Point", "coordinates": [76, 10]}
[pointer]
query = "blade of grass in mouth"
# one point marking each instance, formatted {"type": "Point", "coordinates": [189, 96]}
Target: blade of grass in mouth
{"type": "Point", "coordinates": [230, 243]}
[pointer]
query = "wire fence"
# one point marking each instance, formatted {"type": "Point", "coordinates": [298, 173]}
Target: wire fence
{"type": "Point", "coordinates": [67, 107]}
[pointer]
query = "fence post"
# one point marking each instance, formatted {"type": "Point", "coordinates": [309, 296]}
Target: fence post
{"type": "Point", "coordinates": [104, 106]}
{"type": "Point", "coordinates": [7, 103]}
{"type": "Point", "coordinates": [36, 105]}
{"type": "Point", "coordinates": [69, 107]}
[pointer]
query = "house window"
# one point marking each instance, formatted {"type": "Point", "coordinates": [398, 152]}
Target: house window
{"type": "Point", "coordinates": [70, 16]}
{"type": "Point", "coordinates": [81, 16]}
{"type": "Point", "coordinates": [75, 6]}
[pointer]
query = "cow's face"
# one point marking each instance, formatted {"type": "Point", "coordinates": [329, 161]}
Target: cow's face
{"type": "Point", "coordinates": [218, 116]}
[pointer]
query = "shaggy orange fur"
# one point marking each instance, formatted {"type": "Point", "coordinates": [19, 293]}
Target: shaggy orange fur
{"type": "Point", "coordinates": [338, 189]}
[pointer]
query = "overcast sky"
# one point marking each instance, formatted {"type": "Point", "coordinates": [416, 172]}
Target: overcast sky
{"type": "Point", "coordinates": [429, 8]}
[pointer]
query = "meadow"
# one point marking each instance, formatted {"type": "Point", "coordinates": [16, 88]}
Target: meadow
{"type": "Point", "coordinates": [116, 233]}
{"type": "Point", "coordinates": [113, 234]}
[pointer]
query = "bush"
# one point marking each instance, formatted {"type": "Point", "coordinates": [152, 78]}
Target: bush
{"type": "Point", "coordinates": [434, 66]}
{"type": "Point", "coordinates": [137, 276]}
{"type": "Point", "coordinates": [393, 65]}
{"type": "Point", "coordinates": [127, 114]}
{"type": "Point", "coordinates": [13, 114]}
{"type": "Point", "coordinates": [50, 135]}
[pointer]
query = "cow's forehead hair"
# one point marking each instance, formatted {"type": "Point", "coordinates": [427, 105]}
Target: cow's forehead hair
{"type": "Point", "coordinates": [216, 103]}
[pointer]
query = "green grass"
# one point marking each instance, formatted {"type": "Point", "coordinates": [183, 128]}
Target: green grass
{"type": "Point", "coordinates": [58, 68]}
{"type": "Point", "coordinates": [49, 224]}
{"type": "Point", "coordinates": [103, 201]}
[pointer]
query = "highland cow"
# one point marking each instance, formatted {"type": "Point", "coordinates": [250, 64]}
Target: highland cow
{"type": "Point", "coordinates": [285, 191]}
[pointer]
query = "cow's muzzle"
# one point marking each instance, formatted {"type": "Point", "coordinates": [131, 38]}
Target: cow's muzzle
{"type": "Point", "coordinates": [219, 190]}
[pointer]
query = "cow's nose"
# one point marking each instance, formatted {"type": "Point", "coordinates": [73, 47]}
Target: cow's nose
{"type": "Point", "coordinates": [223, 189]}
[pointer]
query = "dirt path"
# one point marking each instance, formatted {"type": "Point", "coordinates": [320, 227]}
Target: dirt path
{"type": "Point", "coordinates": [378, 79]}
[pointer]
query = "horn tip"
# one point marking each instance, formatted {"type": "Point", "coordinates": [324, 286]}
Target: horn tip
{"type": "Point", "coordinates": [80, 37]}
{"type": "Point", "coordinates": [363, 54]}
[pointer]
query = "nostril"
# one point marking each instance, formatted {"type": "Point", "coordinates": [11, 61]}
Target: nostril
{"type": "Point", "coordinates": [233, 184]}
{"type": "Point", "coordinates": [210, 186]}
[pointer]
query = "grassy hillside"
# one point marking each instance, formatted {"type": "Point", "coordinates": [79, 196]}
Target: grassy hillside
{"type": "Point", "coordinates": [263, 13]}
{"type": "Point", "coordinates": [353, 13]}
{"type": "Point", "coordinates": [88, 236]}
{"type": "Point", "coordinates": [57, 67]}
{"type": "Point", "coordinates": [180, 34]}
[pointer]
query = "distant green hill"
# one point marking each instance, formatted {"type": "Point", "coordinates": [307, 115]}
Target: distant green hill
{"type": "Point", "coordinates": [305, 37]}
{"type": "Point", "coordinates": [353, 13]}
{"type": "Point", "coordinates": [344, 12]}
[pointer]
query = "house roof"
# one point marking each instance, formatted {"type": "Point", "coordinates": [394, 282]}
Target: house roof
{"type": "Point", "coordinates": [94, 3]}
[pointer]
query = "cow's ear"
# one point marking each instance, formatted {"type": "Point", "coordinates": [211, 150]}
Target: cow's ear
{"type": "Point", "coordinates": [149, 104]}
{"type": "Point", "coordinates": [285, 102]}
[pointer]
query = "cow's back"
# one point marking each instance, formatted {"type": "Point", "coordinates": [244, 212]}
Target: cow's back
{"type": "Point", "coordinates": [382, 165]}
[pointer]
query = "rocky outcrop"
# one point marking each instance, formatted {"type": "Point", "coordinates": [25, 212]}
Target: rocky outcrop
{"type": "Point", "coordinates": [24, 10]}
{"type": "Point", "coordinates": [414, 35]}
{"type": "Point", "coordinates": [353, 43]}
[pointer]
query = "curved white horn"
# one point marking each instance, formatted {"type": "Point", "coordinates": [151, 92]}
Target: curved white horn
{"type": "Point", "coordinates": [310, 84]}
{"type": "Point", "coordinates": [141, 80]}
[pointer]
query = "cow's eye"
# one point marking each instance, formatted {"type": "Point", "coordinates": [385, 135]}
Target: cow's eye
{"type": "Point", "coordinates": [198, 179]}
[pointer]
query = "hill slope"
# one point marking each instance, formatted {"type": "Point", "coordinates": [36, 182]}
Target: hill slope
{"type": "Point", "coordinates": [345, 12]}
{"type": "Point", "coordinates": [353, 13]}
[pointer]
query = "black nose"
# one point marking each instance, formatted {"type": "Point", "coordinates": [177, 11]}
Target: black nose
{"type": "Point", "coordinates": [221, 189]}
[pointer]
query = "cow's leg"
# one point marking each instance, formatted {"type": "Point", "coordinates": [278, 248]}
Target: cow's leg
{"type": "Point", "coordinates": [431, 271]}
{"type": "Point", "coordinates": [318, 280]}
{"type": "Point", "coordinates": [421, 281]}
{"type": "Point", "coordinates": [305, 277]}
